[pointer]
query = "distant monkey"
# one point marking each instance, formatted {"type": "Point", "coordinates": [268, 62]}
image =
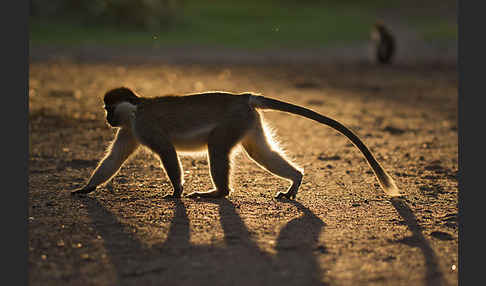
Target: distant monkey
{"type": "Point", "coordinates": [212, 121]}
{"type": "Point", "coordinates": [384, 43]}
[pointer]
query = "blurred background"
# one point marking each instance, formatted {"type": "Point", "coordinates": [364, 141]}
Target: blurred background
{"type": "Point", "coordinates": [316, 54]}
{"type": "Point", "coordinates": [239, 31]}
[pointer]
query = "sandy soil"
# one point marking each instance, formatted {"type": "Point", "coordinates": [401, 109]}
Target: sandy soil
{"type": "Point", "coordinates": [341, 229]}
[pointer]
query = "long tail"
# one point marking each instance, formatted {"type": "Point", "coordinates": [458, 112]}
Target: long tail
{"type": "Point", "coordinates": [385, 180]}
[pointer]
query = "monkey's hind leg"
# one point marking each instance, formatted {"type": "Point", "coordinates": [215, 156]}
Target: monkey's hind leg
{"type": "Point", "coordinates": [220, 144]}
{"type": "Point", "coordinates": [258, 148]}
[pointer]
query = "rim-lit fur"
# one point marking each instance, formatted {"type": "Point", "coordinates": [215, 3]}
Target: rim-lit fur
{"type": "Point", "coordinates": [216, 122]}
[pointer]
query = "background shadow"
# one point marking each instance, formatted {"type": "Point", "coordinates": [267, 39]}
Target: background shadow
{"type": "Point", "coordinates": [239, 261]}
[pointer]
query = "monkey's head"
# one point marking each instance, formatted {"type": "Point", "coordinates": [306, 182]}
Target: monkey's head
{"type": "Point", "coordinates": [114, 99]}
{"type": "Point", "coordinates": [380, 27]}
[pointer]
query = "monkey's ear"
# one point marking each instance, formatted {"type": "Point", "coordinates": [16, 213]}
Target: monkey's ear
{"type": "Point", "coordinates": [120, 94]}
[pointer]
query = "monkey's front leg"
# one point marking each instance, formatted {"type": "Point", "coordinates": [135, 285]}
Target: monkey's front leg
{"type": "Point", "coordinates": [172, 166]}
{"type": "Point", "coordinates": [122, 147]}
{"type": "Point", "coordinates": [105, 170]}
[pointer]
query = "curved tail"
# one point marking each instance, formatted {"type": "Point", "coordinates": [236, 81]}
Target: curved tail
{"type": "Point", "coordinates": [384, 179]}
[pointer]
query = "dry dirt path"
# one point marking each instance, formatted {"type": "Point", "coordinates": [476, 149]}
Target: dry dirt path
{"type": "Point", "coordinates": [341, 229]}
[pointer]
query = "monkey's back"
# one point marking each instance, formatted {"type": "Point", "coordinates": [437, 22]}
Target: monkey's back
{"type": "Point", "coordinates": [186, 116]}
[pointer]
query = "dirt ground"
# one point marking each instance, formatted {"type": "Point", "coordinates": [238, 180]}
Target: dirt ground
{"type": "Point", "coordinates": [341, 229]}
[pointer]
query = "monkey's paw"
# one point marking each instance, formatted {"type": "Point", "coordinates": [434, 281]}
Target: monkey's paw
{"type": "Point", "coordinates": [210, 194]}
{"type": "Point", "coordinates": [83, 191]}
{"type": "Point", "coordinates": [287, 195]}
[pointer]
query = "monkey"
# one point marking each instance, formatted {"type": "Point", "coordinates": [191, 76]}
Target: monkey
{"type": "Point", "coordinates": [211, 122]}
{"type": "Point", "coordinates": [384, 43]}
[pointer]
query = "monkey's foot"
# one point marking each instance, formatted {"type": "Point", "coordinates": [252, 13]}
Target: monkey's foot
{"type": "Point", "coordinates": [83, 191]}
{"type": "Point", "coordinates": [291, 193]}
{"type": "Point", "coordinates": [288, 195]}
{"type": "Point", "coordinates": [215, 193]}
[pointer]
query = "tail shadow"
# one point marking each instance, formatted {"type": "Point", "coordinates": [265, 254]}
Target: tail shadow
{"type": "Point", "coordinates": [433, 275]}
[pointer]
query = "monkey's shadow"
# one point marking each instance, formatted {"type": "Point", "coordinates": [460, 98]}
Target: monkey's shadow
{"type": "Point", "coordinates": [238, 261]}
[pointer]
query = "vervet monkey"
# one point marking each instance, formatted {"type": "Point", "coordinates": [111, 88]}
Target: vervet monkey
{"type": "Point", "coordinates": [384, 43]}
{"type": "Point", "coordinates": [212, 121]}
